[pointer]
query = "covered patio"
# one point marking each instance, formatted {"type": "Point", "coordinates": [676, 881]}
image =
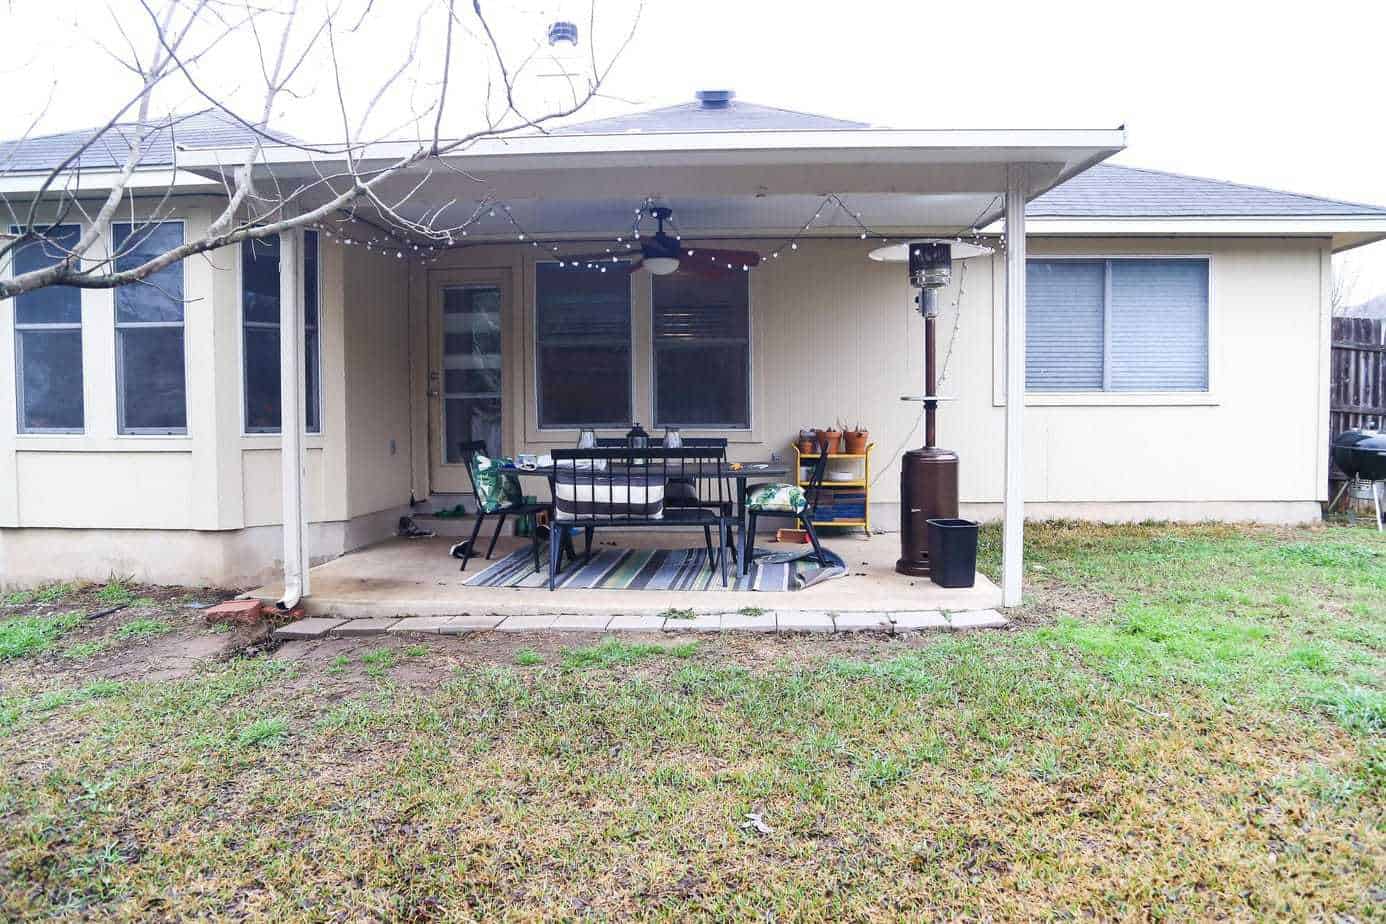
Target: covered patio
{"type": "Point", "coordinates": [520, 203]}
{"type": "Point", "coordinates": [415, 577]}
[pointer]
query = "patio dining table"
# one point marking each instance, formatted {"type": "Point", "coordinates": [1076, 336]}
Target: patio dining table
{"type": "Point", "coordinates": [757, 471]}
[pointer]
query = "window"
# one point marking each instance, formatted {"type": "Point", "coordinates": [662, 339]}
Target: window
{"type": "Point", "coordinates": [150, 384]}
{"type": "Point", "coordinates": [582, 342]}
{"type": "Point", "coordinates": [1128, 324]}
{"type": "Point", "coordinates": [48, 341]}
{"type": "Point", "coordinates": [260, 320]}
{"type": "Point", "coordinates": [702, 351]}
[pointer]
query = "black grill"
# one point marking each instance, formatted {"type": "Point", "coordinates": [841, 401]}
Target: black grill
{"type": "Point", "coordinates": [1361, 454]}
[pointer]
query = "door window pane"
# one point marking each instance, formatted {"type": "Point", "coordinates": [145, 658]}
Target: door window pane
{"type": "Point", "coordinates": [472, 369]}
{"type": "Point", "coordinates": [583, 346]}
{"type": "Point", "coordinates": [48, 341]}
{"type": "Point", "coordinates": [260, 328]}
{"type": "Point", "coordinates": [50, 375]}
{"type": "Point", "coordinates": [702, 351]}
{"type": "Point", "coordinates": [151, 368]}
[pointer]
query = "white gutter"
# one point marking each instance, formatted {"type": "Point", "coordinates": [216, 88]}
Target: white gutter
{"type": "Point", "coordinates": [293, 458]}
{"type": "Point", "coordinates": [1368, 227]}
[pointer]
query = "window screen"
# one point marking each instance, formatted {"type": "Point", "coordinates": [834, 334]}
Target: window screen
{"type": "Point", "coordinates": [583, 346]}
{"type": "Point", "coordinates": [1124, 324]}
{"type": "Point", "coordinates": [702, 351]}
{"type": "Point", "coordinates": [48, 341]}
{"type": "Point", "coordinates": [260, 328]}
{"type": "Point", "coordinates": [150, 375]}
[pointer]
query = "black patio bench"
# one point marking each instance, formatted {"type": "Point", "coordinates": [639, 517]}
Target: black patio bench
{"type": "Point", "coordinates": [625, 488]}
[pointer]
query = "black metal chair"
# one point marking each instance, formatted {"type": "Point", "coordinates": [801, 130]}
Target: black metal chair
{"type": "Point", "coordinates": [625, 487]}
{"type": "Point", "coordinates": [470, 449]}
{"type": "Point", "coordinates": [781, 505]}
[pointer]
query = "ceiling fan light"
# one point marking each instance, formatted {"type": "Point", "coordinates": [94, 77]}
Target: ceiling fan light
{"type": "Point", "coordinates": [661, 266]}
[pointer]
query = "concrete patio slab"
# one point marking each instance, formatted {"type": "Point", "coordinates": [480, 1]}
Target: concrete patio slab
{"type": "Point", "coordinates": [527, 622]}
{"type": "Point", "coordinates": [416, 577]}
{"type": "Point", "coordinates": [622, 622]}
{"type": "Point", "coordinates": [804, 621]}
{"type": "Point", "coordinates": [431, 625]}
{"type": "Point", "coordinates": [468, 622]}
{"type": "Point", "coordinates": [978, 619]}
{"type": "Point", "coordinates": [863, 622]}
{"type": "Point", "coordinates": [918, 620]}
{"type": "Point", "coordinates": [312, 627]}
{"type": "Point", "coordinates": [352, 627]}
{"type": "Point", "coordinates": [701, 622]}
{"type": "Point", "coordinates": [581, 622]}
{"type": "Point", "coordinates": [747, 622]}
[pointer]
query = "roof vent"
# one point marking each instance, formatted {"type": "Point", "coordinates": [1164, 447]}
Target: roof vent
{"type": "Point", "coordinates": [715, 99]}
{"type": "Point", "coordinates": [560, 32]}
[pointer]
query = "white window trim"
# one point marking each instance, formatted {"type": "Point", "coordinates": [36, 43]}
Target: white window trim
{"type": "Point", "coordinates": [141, 432]}
{"type": "Point", "coordinates": [750, 371]}
{"type": "Point", "coordinates": [1208, 398]}
{"type": "Point", "coordinates": [273, 433]}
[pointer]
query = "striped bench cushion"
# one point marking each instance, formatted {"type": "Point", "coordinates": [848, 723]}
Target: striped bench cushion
{"type": "Point", "coordinates": [581, 495]}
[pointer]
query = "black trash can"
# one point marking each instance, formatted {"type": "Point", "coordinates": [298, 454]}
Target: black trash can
{"type": "Point", "coordinates": [952, 552]}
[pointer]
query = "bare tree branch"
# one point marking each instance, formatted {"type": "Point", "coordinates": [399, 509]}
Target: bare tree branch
{"type": "Point", "coordinates": [341, 177]}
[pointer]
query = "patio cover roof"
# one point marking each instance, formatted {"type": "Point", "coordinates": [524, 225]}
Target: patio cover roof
{"type": "Point", "coordinates": [730, 183]}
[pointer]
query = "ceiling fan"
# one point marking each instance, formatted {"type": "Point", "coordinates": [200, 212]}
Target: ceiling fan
{"type": "Point", "coordinates": [663, 254]}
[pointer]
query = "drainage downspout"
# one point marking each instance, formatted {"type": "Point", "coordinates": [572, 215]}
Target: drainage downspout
{"type": "Point", "coordinates": [293, 459]}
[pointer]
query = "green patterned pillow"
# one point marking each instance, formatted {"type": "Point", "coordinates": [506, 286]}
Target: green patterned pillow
{"type": "Point", "coordinates": [494, 489]}
{"type": "Point", "coordinates": [777, 498]}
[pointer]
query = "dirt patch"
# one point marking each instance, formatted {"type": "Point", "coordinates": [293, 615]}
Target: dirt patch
{"type": "Point", "coordinates": [129, 632]}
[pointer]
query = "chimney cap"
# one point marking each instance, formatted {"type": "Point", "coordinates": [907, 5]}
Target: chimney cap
{"type": "Point", "coordinates": [715, 99]}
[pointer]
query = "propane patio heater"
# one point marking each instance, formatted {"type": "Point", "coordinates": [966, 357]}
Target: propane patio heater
{"type": "Point", "coordinates": [928, 475]}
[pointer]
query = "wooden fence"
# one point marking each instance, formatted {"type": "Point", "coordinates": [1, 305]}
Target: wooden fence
{"type": "Point", "coordinates": [1357, 383]}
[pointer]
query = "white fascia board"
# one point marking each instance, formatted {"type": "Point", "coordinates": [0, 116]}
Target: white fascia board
{"type": "Point", "coordinates": [1324, 226]}
{"type": "Point", "coordinates": [727, 163]}
{"type": "Point", "coordinates": [92, 182]}
{"type": "Point", "coordinates": [998, 146]}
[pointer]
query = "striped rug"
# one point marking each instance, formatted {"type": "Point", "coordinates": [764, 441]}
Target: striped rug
{"type": "Point", "coordinates": [656, 569]}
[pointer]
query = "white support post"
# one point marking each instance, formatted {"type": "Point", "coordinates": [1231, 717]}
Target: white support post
{"type": "Point", "coordinates": [1013, 516]}
{"type": "Point", "coordinates": [293, 456]}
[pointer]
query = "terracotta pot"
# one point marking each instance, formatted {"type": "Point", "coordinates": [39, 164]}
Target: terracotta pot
{"type": "Point", "coordinates": [855, 442]}
{"type": "Point", "coordinates": [807, 447]}
{"type": "Point", "coordinates": [829, 440]}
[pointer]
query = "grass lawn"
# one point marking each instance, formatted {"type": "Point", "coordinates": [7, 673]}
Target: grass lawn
{"type": "Point", "coordinates": [1187, 723]}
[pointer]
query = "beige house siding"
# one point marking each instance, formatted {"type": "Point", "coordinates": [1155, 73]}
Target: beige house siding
{"type": "Point", "coordinates": [834, 335]}
{"type": "Point", "coordinates": [204, 507]}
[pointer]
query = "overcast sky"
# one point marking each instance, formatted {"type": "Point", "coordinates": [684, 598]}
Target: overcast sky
{"type": "Point", "coordinates": [1286, 95]}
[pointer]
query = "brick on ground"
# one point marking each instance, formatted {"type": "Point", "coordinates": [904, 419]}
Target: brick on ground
{"type": "Point", "coordinates": [234, 612]}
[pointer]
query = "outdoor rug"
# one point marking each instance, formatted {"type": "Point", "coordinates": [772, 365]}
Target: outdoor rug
{"type": "Point", "coordinates": [661, 569]}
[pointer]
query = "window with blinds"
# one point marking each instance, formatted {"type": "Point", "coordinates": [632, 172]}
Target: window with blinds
{"type": "Point", "coordinates": [1125, 324]}
{"type": "Point", "coordinates": [582, 346]}
{"type": "Point", "coordinates": [702, 351]}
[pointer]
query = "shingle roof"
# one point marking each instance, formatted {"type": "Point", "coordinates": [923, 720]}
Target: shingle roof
{"type": "Point", "coordinates": [207, 129]}
{"type": "Point", "coordinates": [1110, 191]}
{"type": "Point", "coordinates": [736, 116]}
